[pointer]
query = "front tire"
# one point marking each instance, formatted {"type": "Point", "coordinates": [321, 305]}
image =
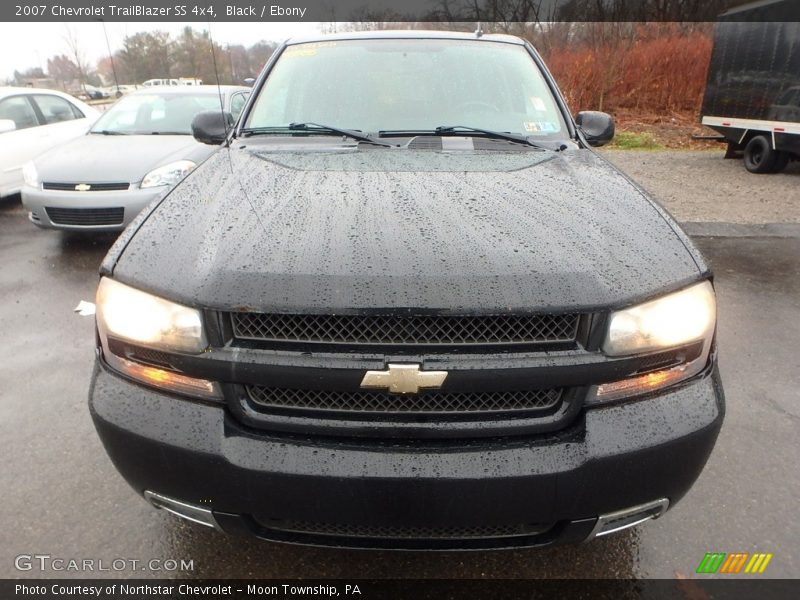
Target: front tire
{"type": "Point", "coordinates": [759, 157]}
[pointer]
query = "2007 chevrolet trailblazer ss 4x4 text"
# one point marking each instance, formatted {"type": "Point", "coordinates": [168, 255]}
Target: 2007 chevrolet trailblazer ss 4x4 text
{"type": "Point", "coordinates": [406, 306]}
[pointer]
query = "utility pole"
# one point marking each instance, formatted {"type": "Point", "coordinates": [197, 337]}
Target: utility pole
{"type": "Point", "coordinates": [234, 81]}
{"type": "Point", "coordinates": [111, 58]}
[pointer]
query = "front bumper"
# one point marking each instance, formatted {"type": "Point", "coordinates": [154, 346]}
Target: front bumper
{"type": "Point", "coordinates": [132, 202]}
{"type": "Point", "coordinates": [391, 494]}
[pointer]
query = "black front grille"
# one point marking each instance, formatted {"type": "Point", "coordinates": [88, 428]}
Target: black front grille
{"type": "Point", "coordinates": [406, 330]}
{"type": "Point", "coordinates": [420, 533]}
{"type": "Point", "coordinates": [426, 402]}
{"type": "Point", "coordinates": [86, 216]}
{"type": "Point", "coordinates": [93, 187]}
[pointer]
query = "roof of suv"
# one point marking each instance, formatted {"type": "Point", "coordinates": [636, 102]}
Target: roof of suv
{"type": "Point", "coordinates": [407, 34]}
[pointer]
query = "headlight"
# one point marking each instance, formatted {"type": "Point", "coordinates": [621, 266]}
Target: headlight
{"type": "Point", "coordinates": [129, 319]}
{"type": "Point", "coordinates": [679, 318]}
{"type": "Point", "coordinates": [168, 174]}
{"type": "Point", "coordinates": [679, 327]}
{"type": "Point", "coordinates": [136, 316]}
{"type": "Point", "coordinates": [30, 175]}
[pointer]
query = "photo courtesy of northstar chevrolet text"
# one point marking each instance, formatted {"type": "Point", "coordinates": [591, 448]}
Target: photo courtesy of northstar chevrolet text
{"type": "Point", "coordinates": [431, 282]}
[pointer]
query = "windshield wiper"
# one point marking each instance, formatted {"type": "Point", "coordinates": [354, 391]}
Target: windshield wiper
{"type": "Point", "coordinates": [315, 128]}
{"type": "Point", "coordinates": [455, 129]}
{"type": "Point", "coordinates": [108, 132]}
{"type": "Point", "coordinates": [495, 135]}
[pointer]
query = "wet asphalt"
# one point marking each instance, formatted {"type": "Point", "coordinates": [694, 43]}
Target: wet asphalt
{"type": "Point", "coordinates": [61, 495]}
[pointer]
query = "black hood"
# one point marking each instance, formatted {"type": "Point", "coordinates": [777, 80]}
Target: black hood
{"type": "Point", "coordinates": [335, 230]}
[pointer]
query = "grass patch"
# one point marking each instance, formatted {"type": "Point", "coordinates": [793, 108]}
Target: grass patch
{"type": "Point", "coordinates": [629, 140]}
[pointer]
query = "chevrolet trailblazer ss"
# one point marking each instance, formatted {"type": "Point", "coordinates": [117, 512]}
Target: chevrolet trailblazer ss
{"type": "Point", "coordinates": [405, 305]}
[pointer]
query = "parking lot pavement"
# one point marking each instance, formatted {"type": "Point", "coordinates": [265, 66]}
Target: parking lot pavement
{"type": "Point", "coordinates": [703, 186]}
{"type": "Point", "coordinates": [62, 496]}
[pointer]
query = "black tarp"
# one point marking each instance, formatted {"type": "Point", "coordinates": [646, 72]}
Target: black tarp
{"type": "Point", "coordinates": [755, 66]}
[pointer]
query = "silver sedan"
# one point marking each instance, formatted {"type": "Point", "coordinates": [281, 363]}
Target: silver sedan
{"type": "Point", "coordinates": [134, 154]}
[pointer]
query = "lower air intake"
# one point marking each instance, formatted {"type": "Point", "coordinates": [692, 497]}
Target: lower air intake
{"type": "Point", "coordinates": [419, 533]}
{"type": "Point", "coordinates": [86, 217]}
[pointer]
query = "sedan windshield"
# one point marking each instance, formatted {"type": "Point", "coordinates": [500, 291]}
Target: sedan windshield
{"type": "Point", "coordinates": [152, 114]}
{"type": "Point", "coordinates": [414, 85]}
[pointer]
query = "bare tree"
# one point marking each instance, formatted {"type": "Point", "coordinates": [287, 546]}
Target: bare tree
{"type": "Point", "coordinates": [76, 54]}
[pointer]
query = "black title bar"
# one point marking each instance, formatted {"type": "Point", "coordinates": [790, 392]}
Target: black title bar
{"type": "Point", "coordinates": [388, 589]}
{"type": "Point", "coordinates": [397, 11]}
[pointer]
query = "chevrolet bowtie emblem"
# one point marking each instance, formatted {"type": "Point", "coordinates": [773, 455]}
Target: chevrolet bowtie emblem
{"type": "Point", "coordinates": [403, 379]}
{"type": "Point", "coordinates": [83, 187]}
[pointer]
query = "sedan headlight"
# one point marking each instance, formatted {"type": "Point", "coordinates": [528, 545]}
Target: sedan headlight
{"type": "Point", "coordinates": [129, 320]}
{"type": "Point", "coordinates": [30, 175]}
{"type": "Point", "coordinates": [673, 320]}
{"type": "Point", "coordinates": [168, 174]}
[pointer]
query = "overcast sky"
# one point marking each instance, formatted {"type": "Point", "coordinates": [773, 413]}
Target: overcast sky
{"type": "Point", "coordinates": [25, 45]}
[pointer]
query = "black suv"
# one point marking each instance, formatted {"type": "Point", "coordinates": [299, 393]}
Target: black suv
{"type": "Point", "coordinates": [405, 305]}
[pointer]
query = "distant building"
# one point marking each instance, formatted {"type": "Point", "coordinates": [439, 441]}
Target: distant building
{"type": "Point", "coordinates": [37, 82]}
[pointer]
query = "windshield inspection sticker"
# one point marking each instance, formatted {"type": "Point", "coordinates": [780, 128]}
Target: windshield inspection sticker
{"type": "Point", "coordinates": [307, 49]}
{"type": "Point", "coordinates": [540, 126]}
{"type": "Point", "coordinates": [292, 52]}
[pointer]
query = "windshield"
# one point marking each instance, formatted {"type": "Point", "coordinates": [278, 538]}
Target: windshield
{"type": "Point", "coordinates": [408, 85]}
{"type": "Point", "coordinates": [155, 113]}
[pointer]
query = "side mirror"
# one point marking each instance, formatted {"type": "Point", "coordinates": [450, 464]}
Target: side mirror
{"type": "Point", "coordinates": [7, 125]}
{"type": "Point", "coordinates": [212, 126]}
{"type": "Point", "coordinates": [597, 127]}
